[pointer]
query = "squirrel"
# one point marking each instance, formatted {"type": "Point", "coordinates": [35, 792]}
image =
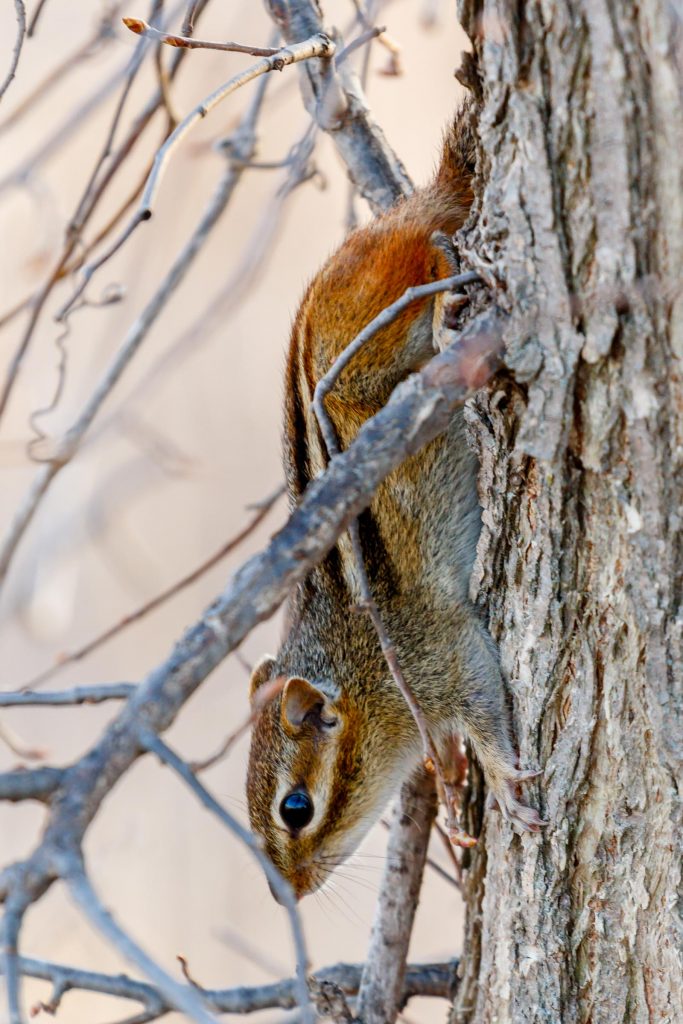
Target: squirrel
{"type": "Point", "coordinates": [334, 745]}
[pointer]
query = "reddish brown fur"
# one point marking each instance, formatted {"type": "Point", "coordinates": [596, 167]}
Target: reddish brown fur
{"type": "Point", "coordinates": [418, 540]}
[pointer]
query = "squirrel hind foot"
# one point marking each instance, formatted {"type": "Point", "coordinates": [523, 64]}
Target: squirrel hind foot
{"type": "Point", "coordinates": [504, 799]}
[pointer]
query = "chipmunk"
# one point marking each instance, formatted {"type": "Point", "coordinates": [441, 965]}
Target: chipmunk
{"type": "Point", "coordinates": [334, 745]}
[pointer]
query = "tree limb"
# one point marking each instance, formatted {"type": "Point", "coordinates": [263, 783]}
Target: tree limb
{"type": "Point", "coordinates": [436, 980]}
{"type": "Point", "coordinates": [382, 982]}
{"type": "Point", "coordinates": [334, 99]}
{"type": "Point", "coordinates": [67, 698]}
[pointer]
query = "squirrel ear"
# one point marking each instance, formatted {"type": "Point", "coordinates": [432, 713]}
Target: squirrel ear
{"type": "Point", "coordinates": [261, 674]}
{"type": "Point", "coordinates": [301, 699]}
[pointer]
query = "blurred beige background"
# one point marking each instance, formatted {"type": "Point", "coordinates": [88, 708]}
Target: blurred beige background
{"type": "Point", "coordinates": [175, 456]}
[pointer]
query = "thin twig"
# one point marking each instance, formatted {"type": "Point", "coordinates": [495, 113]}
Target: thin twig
{"type": "Point", "coordinates": [387, 316]}
{"type": "Point", "coordinates": [235, 940]}
{"type": "Point", "coordinates": [265, 695]}
{"type": "Point", "coordinates": [102, 35]}
{"type": "Point", "coordinates": [373, 32]}
{"type": "Point", "coordinates": [141, 28]}
{"type": "Point", "coordinates": [388, 42]}
{"type": "Point", "coordinates": [15, 310]}
{"type": "Point", "coordinates": [279, 885]}
{"type": "Point", "coordinates": [76, 222]}
{"type": "Point", "coordinates": [165, 89]}
{"type": "Point", "coordinates": [258, 250]}
{"type": "Point", "coordinates": [70, 443]}
{"type": "Point", "coordinates": [87, 204]}
{"type": "Point", "coordinates": [36, 15]}
{"type": "Point", "coordinates": [430, 862]}
{"type": "Point", "coordinates": [20, 12]}
{"type": "Point", "coordinates": [316, 46]}
{"type": "Point", "coordinates": [114, 294]}
{"type": "Point", "coordinates": [134, 67]}
{"type": "Point", "coordinates": [67, 698]}
{"type": "Point", "coordinates": [334, 100]}
{"type": "Point", "coordinates": [181, 997]}
{"type": "Point", "coordinates": [18, 747]}
{"type": "Point", "coordinates": [30, 784]}
{"type": "Point", "coordinates": [450, 853]}
{"type": "Point", "coordinates": [262, 511]}
{"type": "Point", "coordinates": [76, 119]}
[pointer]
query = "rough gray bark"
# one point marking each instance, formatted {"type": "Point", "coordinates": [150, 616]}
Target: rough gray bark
{"type": "Point", "coordinates": [580, 561]}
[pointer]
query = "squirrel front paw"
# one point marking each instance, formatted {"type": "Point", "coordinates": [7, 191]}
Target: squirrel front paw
{"type": "Point", "coordinates": [503, 797]}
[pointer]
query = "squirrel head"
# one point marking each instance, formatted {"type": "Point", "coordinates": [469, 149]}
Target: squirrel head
{"type": "Point", "coordinates": [317, 776]}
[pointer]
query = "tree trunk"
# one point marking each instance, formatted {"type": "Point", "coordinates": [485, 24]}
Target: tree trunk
{"type": "Point", "coordinates": [580, 223]}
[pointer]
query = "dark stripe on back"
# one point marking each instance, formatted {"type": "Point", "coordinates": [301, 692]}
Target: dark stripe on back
{"type": "Point", "coordinates": [375, 553]}
{"type": "Point", "coordinates": [295, 446]}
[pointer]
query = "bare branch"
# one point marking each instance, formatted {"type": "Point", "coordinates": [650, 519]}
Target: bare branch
{"type": "Point", "coordinates": [68, 446]}
{"type": "Point", "coordinates": [280, 887]}
{"type": "Point", "coordinates": [436, 980]}
{"type": "Point", "coordinates": [258, 250]}
{"type": "Point", "coordinates": [180, 997]}
{"type": "Point", "coordinates": [373, 32]}
{"type": "Point", "coordinates": [67, 698]}
{"type": "Point", "coordinates": [65, 979]}
{"type": "Point", "coordinates": [90, 197]}
{"type": "Point", "coordinates": [141, 28]}
{"type": "Point", "coordinates": [18, 747]}
{"type": "Point", "coordinates": [330, 1001]}
{"type": "Point", "coordinates": [431, 863]}
{"type": "Point", "coordinates": [89, 48]}
{"type": "Point", "coordinates": [20, 11]}
{"type": "Point", "coordinates": [365, 15]}
{"type": "Point", "coordinates": [317, 46]}
{"type": "Point", "coordinates": [382, 982]}
{"type": "Point", "coordinates": [266, 693]}
{"type": "Point", "coordinates": [420, 408]}
{"type": "Point", "coordinates": [36, 15]}
{"type": "Point", "coordinates": [9, 932]}
{"type": "Point", "coordinates": [262, 510]}
{"type": "Point", "coordinates": [33, 784]}
{"type": "Point", "coordinates": [334, 99]}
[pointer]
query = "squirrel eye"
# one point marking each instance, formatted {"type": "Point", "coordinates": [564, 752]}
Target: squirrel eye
{"type": "Point", "coordinates": [296, 810]}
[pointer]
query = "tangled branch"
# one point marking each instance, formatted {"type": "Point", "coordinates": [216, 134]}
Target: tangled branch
{"type": "Point", "coordinates": [418, 411]}
{"type": "Point", "coordinates": [437, 980]}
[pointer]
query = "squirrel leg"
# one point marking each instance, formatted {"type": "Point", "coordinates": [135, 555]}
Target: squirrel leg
{"type": "Point", "coordinates": [483, 713]}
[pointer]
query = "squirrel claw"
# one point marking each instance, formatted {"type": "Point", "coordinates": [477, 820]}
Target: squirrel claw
{"type": "Point", "coordinates": [503, 798]}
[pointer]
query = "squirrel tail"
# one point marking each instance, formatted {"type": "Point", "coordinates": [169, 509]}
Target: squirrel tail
{"type": "Point", "coordinates": [458, 156]}
{"type": "Point", "coordinates": [446, 203]}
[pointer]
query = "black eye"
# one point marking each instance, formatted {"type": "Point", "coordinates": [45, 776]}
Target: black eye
{"type": "Point", "coordinates": [296, 810]}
